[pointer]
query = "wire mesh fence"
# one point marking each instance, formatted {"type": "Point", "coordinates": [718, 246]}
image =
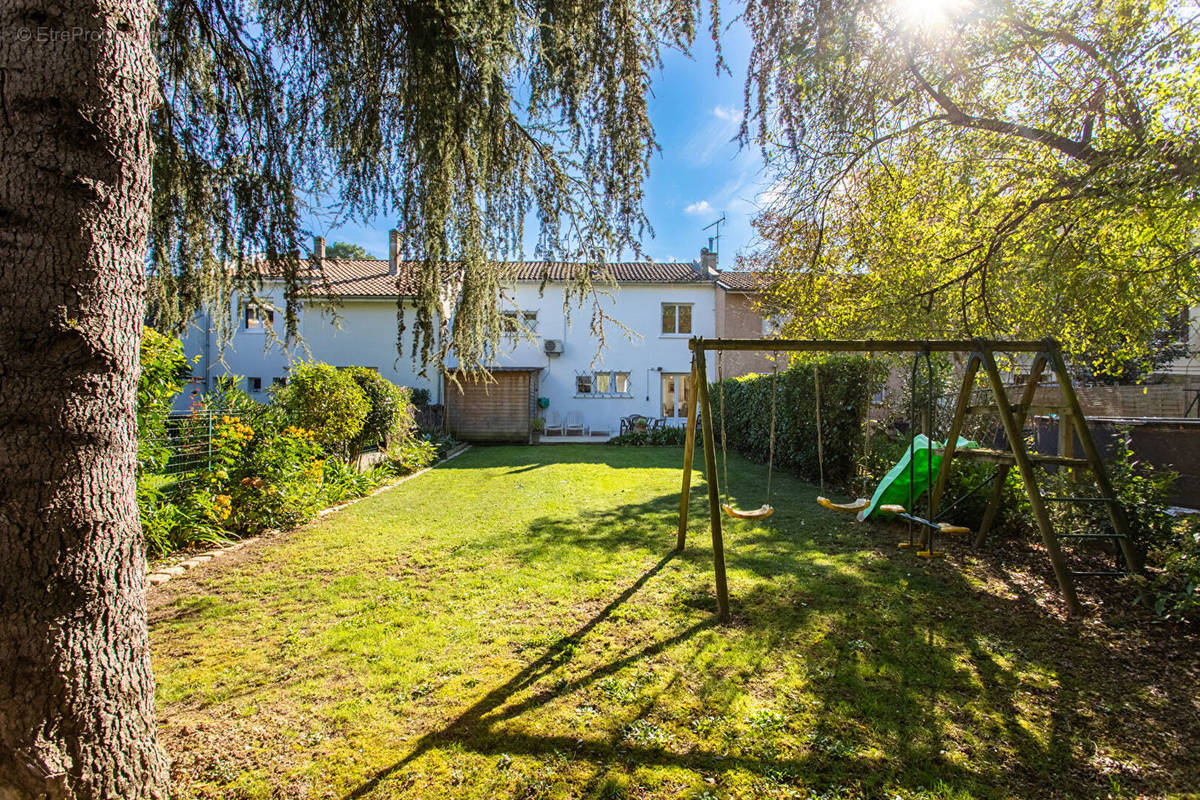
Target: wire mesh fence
{"type": "Point", "coordinates": [185, 444]}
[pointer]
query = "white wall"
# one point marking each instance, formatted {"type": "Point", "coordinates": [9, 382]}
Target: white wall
{"type": "Point", "coordinates": [367, 337]}
{"type": "Point", "coordinates": [368, 333]}
{"type": "Point", "coordinates": [645, 356]}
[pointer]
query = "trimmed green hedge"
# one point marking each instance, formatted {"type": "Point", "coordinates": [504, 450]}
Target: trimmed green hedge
{"type": "Point", "coordinates": [843, 409]}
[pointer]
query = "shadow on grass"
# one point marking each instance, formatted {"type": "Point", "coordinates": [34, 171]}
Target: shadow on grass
{"type": "Point", "coordinates": [911, 679]}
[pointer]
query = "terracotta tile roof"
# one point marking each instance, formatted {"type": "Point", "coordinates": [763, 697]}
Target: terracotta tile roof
{"type": "Point", "coordinates": [744, 281]}
{"type": "Point", "coordinates": [353, 278]}
{"type": "Point", "coordinates": [370, 278]}
{"type": "Point", "coordinates": [621, 272]}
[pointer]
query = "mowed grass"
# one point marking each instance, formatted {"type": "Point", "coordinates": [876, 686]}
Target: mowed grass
{"type": "Point", "coordinates": [514, 624]}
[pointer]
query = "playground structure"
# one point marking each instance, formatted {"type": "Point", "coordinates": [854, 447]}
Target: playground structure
{"type": "Point", "coordinates": [980, 355]}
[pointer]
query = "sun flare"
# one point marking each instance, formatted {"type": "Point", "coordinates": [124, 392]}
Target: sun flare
{"type": "Point", "coordinates": [929, 13]}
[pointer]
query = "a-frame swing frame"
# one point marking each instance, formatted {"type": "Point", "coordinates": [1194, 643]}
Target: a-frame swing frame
{"type": "Point", "coordinates": [980, 356]}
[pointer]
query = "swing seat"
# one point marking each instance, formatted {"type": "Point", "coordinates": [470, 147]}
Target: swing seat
{"type": "Point", "coordinates": [847, 508]}
{"type": "Point", "coordinates": [762, 512]}
{"type": "Point", "coordinates": [946, 527]}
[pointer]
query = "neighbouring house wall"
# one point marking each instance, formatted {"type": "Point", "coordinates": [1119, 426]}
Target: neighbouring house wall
{"type": "Point", "coordinates": [366, 337]}
{"type": "Point", "coordinates": [740, 320]}
{"type": "Point", "coordinates": [1188, 368]}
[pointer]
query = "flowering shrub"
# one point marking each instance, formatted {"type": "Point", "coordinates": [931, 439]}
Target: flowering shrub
{"type": "Point", "coordinates": [278, 484]}
{"type": "Point", "coordinates": [260, 466]}
{"type": "Point", "coordinates": [162, 361]}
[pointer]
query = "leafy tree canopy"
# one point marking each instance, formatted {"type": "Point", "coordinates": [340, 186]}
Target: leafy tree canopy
{"type": "Point", "coordinates": [347, 250]}
{"type": "Point", "coordinates": [464, 118]}
{"type": "Point", "coordinates": [1009, 168]}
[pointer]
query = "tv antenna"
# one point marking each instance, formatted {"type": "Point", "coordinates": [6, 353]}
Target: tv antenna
{"type": "Point", "coordinates": [716, 236]}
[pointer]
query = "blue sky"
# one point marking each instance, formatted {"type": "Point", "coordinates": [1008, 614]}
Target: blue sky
{"type": "Point", "coordinates": [700, 173]}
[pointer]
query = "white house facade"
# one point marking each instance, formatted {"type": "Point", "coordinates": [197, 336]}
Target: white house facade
{"type": "Point", "coordinates": [552, 366]}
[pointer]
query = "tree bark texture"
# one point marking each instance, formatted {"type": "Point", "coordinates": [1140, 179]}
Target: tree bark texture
{"type": "Point", "coordinates": [78, 82]}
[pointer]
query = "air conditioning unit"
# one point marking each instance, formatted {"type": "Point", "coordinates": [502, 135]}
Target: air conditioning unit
{"type": "Point", "coordinates": [554, 347]}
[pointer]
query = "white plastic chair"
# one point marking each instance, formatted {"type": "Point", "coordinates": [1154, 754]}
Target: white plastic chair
{"type": "Point", "coordinates": [574, 424]}
{"type": "Point", "coordinates": [554, 424]}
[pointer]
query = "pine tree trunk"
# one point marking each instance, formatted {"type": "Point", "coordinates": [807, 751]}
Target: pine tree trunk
{"type": "Point", "coordinates": [77, 85]}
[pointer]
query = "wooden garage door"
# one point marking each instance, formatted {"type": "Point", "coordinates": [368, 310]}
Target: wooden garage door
{"type": "Point", "coordinates": [496, 410]}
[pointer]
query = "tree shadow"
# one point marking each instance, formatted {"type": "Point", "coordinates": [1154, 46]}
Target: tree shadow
{"type": "Point", "coordinates": [897, 656]}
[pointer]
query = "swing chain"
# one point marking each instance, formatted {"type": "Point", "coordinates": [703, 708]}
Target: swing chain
{"type": "Point", "coordinates": [820, 443]}
{"type": "Point", "coordinates": [724, 451]}
{"type": "Point", "coordinates": [771, 440]}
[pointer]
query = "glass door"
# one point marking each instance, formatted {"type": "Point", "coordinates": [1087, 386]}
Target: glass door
{"type": "Point", "coordinates": [675, 394]}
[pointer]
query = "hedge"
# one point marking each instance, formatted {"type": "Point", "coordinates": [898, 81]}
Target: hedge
{"type": "Point", "coordinates": [844, 400]}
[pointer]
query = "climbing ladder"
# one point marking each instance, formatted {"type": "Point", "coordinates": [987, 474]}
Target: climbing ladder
{"type": "Point", "coordinates": [1071, 423]}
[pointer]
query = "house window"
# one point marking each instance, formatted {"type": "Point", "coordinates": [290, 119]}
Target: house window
{"type": "Point", "coordinates": [279, 381]}
{"type": "Point", "coordinates": [603, 384]}
{"type": "Point", "coordinates": [772, 324]}
{"type": "Point", "coordinates": [254, 384]}
{"type": "Point", "coordinates": [1180, 326]}
{"type": "Point", "coordinates": [676, 318]}
{"type": "Point", "coordinates": [674, 394]}
{"type": "Point", "coordinates": [509, 321]}
{"type": "Point", "coordinates": [253, 318]}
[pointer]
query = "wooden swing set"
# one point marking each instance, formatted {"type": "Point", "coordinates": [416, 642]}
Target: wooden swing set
{"type": "Point", "coordinates": [980, 355]}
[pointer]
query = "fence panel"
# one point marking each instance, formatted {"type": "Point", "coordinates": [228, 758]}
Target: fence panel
{"type": "Point", "coordinates": [187, 440]}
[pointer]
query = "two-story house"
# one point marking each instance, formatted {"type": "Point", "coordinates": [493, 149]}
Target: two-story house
{"type": "Point", "coordinates": [552, 365]}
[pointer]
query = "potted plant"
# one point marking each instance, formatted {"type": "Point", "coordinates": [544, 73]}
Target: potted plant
{"type": "Point", "coordinates": [639, 424]}
{"type": "Point", "coordinates": [538, 426]}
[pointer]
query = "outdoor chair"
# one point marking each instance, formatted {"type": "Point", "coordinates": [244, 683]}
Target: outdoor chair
{"type": "Point", "coordinates": [554, 424]}
{"type": "Point", "coordinates": [574, 425]}
{"type": "Point", "coordinates": [630, 423]}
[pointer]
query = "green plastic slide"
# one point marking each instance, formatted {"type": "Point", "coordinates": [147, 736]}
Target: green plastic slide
{"type": "Point", "coordinates": [894, 488]}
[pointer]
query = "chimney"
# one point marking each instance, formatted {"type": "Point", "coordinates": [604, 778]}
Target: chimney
{"type": "Point", "coordinates": [393, 252]}
{"type": "Point", "coordinates": [708, 262]}
{"type": "Point", "coordinates": [318, 251]}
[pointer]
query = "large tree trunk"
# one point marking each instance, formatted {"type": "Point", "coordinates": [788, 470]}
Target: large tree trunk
{"type": "Point", "coordinates": [77, 85]}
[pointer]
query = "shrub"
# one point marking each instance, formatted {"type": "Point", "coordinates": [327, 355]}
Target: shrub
{"type": "Point", "coordinates": [660, 437]}
{"type": "Point", "coordinates": [412, 454]}
{"type": "Point", "coordinates": [747, 413]}
{"type": "Point", "coordinates": [1175, 585]}
{"type": "Point", "coordinates": [1171, 546]}
{"type": "Point", "coordinates": [390, 413]}
{"type": "Point", "coordinates": [162, 362]}
{"type": "Point", "coordinates": [171, 520]}
{"type": "Point", "coordinates": [326, 401]}
{"type": "Point", "coordinates": [420, 396]}
{"type": "Point", "coordinates": [228, 398]}
{"type": "Point", "coordinates": [442, 443]}
{"type": "Point", "coordinates": [342, 482]}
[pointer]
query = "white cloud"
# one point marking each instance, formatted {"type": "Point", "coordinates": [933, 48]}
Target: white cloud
{"type": "Point", "coordinates": [727, 113]}
{"type": "Point", "coordinates": [775, 193]}
{"type": "Point", "coordinates": [699, 208]}
{"type": "Point", "coordinates": [714, 135]}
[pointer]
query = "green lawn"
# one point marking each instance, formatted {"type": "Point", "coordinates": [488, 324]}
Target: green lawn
{"type": "Point", "coordinates": [513, 624]}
